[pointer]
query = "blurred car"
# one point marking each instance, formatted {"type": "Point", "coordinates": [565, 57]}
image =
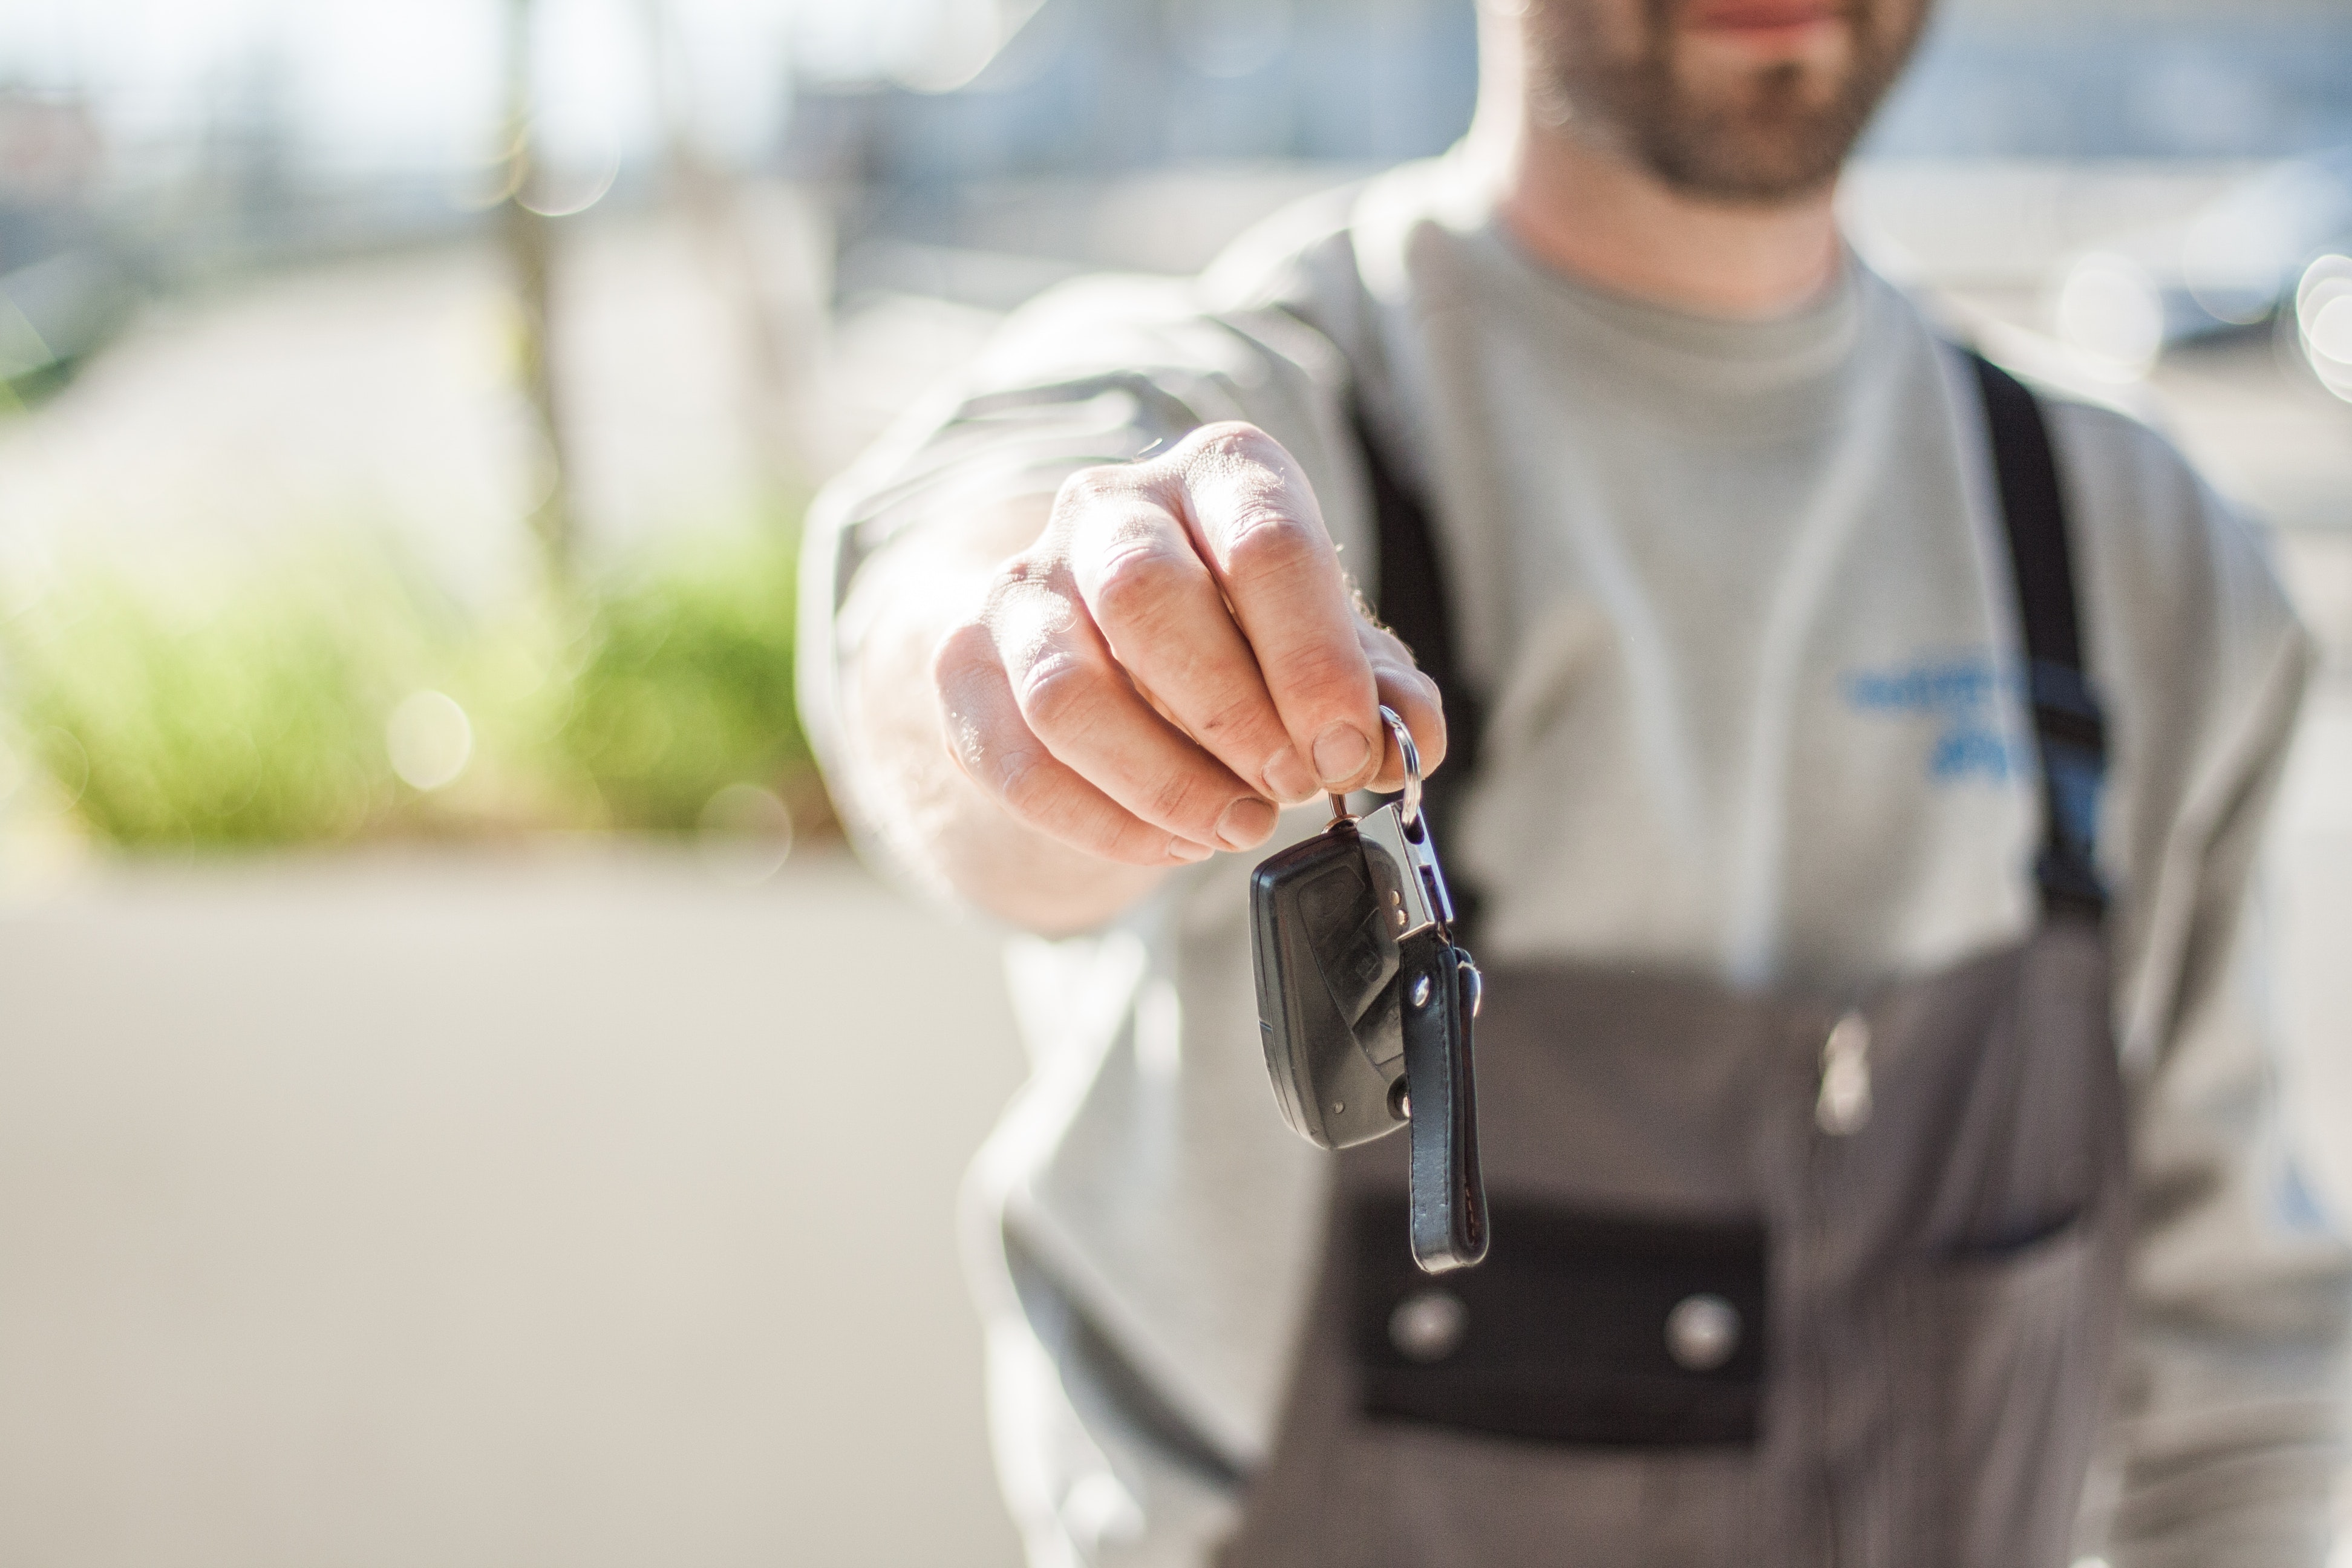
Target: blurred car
{"type": "Point", "coordinates": [2274, 247]}
{"type": "Point", "coordinates": [64, 287]}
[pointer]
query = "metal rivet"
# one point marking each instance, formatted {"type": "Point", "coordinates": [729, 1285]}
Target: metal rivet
{"type": "Point", "coordinates": [1428, 1325]}
{"type": "Point", "coordinates": [1844, 1106]}
{"type": "Point", "coordinates": [1400, 1101]}
{"type": "Point", "coordinates": [1702, 1333]}
{"type": "Point", "coordinates": [1339, 1108]}
{"type": "Point", "coordinates": [1421, 991]}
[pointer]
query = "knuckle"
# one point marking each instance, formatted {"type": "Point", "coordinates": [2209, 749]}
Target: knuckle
{"type": "Point", "coordinates": [1123, 838]}
{"type": "Point", "coordinates": [1027, 570]}
{"type": "Point", "coordinates": [1102, 828]}
{"type": "Point", "coordinates": [1019, 779]}
{"type": "Point", "coordinates": [1090, 492]}
{"type": "Point", "coordinates": [1239, 715]}
{"type": "Point", "coordinates": [958, 655]}
{"type": "Point", "coordinates": [1060, 697]}
{"type": "Point", "coordinates": [1139, 583]}
{"type": "Point", "coordinates": [1386, 648]}
{"type": "Point", "coordinates": [1408, 687]}
{"type": "Point", "coordinates": [971, 745]}
{"type": "Point", "coordinates": [1178, 801]}
{"type": "Point", "coordinates": [1028, 786]}
{"type": "Point", "coordinates": [1267, 542]}
{"type": "Point", "coordinates": [1238, 441]}
{"type": "Point", "coordinates": [1326, 675]}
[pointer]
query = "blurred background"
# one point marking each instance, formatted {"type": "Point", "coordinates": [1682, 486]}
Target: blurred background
{"type": "Point", "coordinates": [459, 1103]}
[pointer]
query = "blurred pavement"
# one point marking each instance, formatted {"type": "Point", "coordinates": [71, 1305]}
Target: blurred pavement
{"type": "Point", "coordinates": [568, 1208]}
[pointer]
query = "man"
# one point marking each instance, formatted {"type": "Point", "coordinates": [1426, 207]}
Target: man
{"type": "Point", "coordinates": [1817, 989]}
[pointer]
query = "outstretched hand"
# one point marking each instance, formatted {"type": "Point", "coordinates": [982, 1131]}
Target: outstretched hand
{"type": "Point", "coordinates": [1177, 653]}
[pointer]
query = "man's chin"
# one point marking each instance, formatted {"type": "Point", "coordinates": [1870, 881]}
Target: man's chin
{"type": "Point", "coordinates": [1735, 100]}
{"type": "Point", "coordinates": [1722, 72]}
{"type": "Point", "coordinates": [1766, 134]}
{"type": "Point", "coordinates": [1766, 156]}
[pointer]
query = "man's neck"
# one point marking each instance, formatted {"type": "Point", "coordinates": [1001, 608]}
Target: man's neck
{"type": "Point", "coordinates": [1601, 218]}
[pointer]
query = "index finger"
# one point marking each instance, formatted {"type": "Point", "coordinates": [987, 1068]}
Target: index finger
{"type": "Point", "coordinates": [1255, 523]}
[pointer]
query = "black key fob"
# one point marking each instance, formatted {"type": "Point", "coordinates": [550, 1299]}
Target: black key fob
{"type": "Point", "coordinates": [1365, 1004]}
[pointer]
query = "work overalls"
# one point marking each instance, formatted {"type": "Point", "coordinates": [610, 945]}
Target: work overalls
{"type": "Point", "coordinates": [1774, 1281]}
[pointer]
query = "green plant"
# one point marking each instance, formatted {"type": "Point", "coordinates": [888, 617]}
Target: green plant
{"type": "Point", "coordinates": [684, 683]}
{"type": "Point", "coordinates": [244, 712]}
{"type": "Point", "coordinates": [252, 707]}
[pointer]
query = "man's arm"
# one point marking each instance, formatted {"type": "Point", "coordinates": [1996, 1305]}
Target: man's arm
{"type": "Point", "coordinates": [1048, 708]}
{"type": "Point", "coordinates": [2230, 1388]}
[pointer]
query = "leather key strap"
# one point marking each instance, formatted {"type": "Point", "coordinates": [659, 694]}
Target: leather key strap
{"type": "Point", "coordinates": [1448, 1201]}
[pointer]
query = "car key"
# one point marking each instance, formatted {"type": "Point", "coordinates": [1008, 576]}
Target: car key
{"type": "Point", "coordinates": [1365, 1003]}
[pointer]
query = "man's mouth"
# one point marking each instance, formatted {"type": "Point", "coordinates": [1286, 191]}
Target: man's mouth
{"type": "Point", "coordinates": [1768, 24]}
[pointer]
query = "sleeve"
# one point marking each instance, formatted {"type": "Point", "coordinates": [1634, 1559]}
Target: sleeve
{"type": "Point", "coordinates": [2230, 1398]}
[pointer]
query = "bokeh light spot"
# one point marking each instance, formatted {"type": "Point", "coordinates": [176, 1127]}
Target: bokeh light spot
{"type": "Point", "coordinates": [2109, 312]}
{"type": "Point", "coordinates": [430, 740]}
{"type": "Point", "coordinates": [2323, 318]}
{"type": "Point", "coordinates": [2331, 329]}
{"type": "Point", "coordinates": [745, 835]}
{"type": "Point", "coordinates": [560, 188]}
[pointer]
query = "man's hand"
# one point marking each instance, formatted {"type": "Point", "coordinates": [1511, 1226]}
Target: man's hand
{"type": "Point", "coordinates": [1175, 654]}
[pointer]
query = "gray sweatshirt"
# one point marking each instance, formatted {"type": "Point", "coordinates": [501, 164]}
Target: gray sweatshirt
{"type": "Point", "coordinates": [1737, 597]}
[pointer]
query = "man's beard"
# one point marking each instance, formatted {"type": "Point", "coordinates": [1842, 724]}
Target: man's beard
{"type": "Point", "coordinates": [1782, 131]}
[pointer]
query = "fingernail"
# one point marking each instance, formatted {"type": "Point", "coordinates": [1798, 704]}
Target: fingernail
{"type": "Point", "coordinates": [1341, 753]}
{"type": "Point", "coordinates": [1245, 823]}
{"type": "Point", "coordinates": [1286, 778]}
{"type": "Point", "coordinates": [1185, 850]}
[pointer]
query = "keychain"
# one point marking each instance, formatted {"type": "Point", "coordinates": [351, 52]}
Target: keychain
{"type": "Point", "coordinates": [1365, 1003]}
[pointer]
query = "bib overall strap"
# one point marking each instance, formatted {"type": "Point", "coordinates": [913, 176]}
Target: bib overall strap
{"type": "Point", "coordinates": [2068, 728]}
{"type": "Point", "coordinates": [1413, 604]}
{"type": "Point", "coordinates": [2069, 732]}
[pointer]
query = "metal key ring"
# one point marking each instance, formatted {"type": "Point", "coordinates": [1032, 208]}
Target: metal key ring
{"type": "Point", "coordinates": [1411, 810]}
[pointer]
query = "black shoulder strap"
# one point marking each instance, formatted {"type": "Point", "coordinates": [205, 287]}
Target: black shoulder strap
{"type": "Point", "coordinates": [2068, 729]}
{"type": "Point", "coordinates": [1413, 603]}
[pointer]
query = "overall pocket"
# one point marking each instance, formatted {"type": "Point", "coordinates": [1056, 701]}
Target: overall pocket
{"type": "Point", "coordinates": [1591, 1396]}
{"type": "Point", "coordinates": [1417, 1496]}
{"type": "Point", "coordinates": [1999, 1372]}
{"type": "Point", "coordinates": [1595, 1329]}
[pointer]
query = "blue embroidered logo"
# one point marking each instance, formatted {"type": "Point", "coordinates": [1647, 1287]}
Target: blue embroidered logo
{"type": "Point", "coordinates": [1961, 694]}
